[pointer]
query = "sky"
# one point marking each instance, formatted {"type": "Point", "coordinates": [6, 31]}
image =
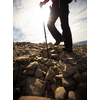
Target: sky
{"type": "Point", "coordinates": [28, 20]}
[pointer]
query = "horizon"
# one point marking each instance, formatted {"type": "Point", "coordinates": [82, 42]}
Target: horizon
{"type": "Point", "coordinates": [28, 21]}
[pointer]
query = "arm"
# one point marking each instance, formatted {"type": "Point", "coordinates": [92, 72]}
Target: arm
{"type": "Point", "coordinates": [43, 3]}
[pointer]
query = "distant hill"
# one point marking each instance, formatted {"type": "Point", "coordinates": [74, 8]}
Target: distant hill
{"type": "Point", "coordinates": [81, 43]}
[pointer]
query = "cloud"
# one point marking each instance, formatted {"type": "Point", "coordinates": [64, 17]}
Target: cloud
{"type": "Point", "coordinates": [28, 21]}
{"type": "Point", "coordinates": [78, 20]}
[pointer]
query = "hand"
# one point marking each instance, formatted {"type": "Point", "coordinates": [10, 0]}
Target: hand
{"type": "Point", "coordinates": [41, 4]}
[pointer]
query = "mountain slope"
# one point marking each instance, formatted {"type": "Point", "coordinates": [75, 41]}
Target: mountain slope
{"type": "Point", "coordinates": [81, 43]}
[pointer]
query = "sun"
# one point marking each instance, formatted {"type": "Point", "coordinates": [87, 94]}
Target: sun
{"type": "Point", "coordinates": [39, 15]}
{"type": "Point", "coordinates": [45, 13]}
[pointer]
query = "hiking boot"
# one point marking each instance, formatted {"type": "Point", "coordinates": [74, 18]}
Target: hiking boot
{"type": "Point", "coordinates": [58, 41]}
{"type": "Point", "coordinates": [68, 50]}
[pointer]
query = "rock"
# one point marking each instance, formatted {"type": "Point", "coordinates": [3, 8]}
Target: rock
{"type": "Point", "coordinates": [77, 76]}
{"type": "Point", "coordinates": [55, 48]}
{"type": "Point", "coordinates": [50, 74]}
{"type": "Point", "coordinates": [18, 90]}
{"type": "Point", "coordinates": [31, 71]}
{"type": "Point", "coordinates": [39, 58]}
{"type": "Point", "coordinates": [23, 76]}
{"type": "Point", "coordinates": [32, 65]}
{"type": "Point", "coordinates": [74, 95]}
{"type": "Point", "coordinates": [60, 93]}
{"type": "Point", "coordinates": [34, 86]}
{"type": "Point", "coordinates": [59, 76]}
{"type": "Point", "coordinates": [38, 72]}
{"type": "Point", "coordinates": [52, 51]}
{"type": "Point", "coordinates": [33, 98]}
{"type": "Point", "coordinates": [49, 63]}
{"type": "Point", "coordinates": [23, 58]}
{"type": "Point", "coordinates": [54, 56]}
{"type": "Point", "coordinates": [53, 87]}
{"type": "Point", "coordinates": [76, 67]}
{"type": "Point", "coordinates": [53, 80]}
{"type": "Point", "coordinates": [26, 51]}
{"type": "Point", "coordinates": [70, 58]}
{"type": "Point", "coordinates": [57, 71]}
{"type": "Point", "coordinates": [44, 73]}
{"type": "Point", "coordinates": [44, 68]}
{"type": "Point", "coordinates": [64, 59]}
{"type": "Point", "coordinates": [68, 71]}
{"type": "Point", "coordinates": [24, 72]}
{"type": "Point", "coordinates": [32, 55]}
{"type": "Point", "coordinates": [23, 83]}
{"type": "Point", "coordinates": [68, 82]}
{"type": "Point", "coordinates": [82, 89]}
{"type": "Point", "coordinates": [54, 67]}
{"type": "Point", "coordinates": [45, 60]}
{"type": "Point", "coordinates": [55, 63]}
{"type": "Point", "coordinates": [22, 66]}
{"type": "Point", "coordinates": [84, 77]}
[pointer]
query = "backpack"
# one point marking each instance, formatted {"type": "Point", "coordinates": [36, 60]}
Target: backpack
{"type": "Point", "coordinates": [69, 1]}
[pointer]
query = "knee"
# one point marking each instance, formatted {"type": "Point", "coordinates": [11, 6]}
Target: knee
{"type": "Point", "coordinates": [50, 25]}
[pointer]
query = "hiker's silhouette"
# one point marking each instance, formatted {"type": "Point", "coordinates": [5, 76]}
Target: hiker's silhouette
{"type": "Point", "coordinates": [60, 9]}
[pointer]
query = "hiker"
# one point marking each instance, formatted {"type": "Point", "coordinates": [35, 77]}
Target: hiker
{"type": "Point", "coordinates": [60, 9]}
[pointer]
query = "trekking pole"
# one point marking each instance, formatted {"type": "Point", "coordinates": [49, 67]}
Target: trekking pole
{"type": "Point", "coordinates": [45, 38]}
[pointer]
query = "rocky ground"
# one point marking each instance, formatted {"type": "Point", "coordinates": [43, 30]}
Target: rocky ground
{"type": "Point", "coordinates": [61, 77]}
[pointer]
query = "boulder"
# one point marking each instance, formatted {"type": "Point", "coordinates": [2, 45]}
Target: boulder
{"type": "Point", "coordinates": [74, 95]}
{"type": "Point", "coordinates": [68, 82]}
{"type": "Point", "coordinates": [60, 93]}
{"type": "Point", "coordinates": [77, 76]}
{"type": "Point", "coordinates": [49, 63]}
{"type": "Point", "coordinates": [38, 72]}
{"type": "Point", "coordinates": [34, 86]}
{"type": "Point", "coordinates": [69, 70]}
{"type": "Point", "coordinates": [31, 71]}
{"type": "Point", "coordinates": [44, 68]}
{"type": "Point", "coordinates": [32, 65]}
{"type": "Point", "coordinates": [23, 83]}
{"type": "Point", "coordinates": [50, 74]}
{"type": "Point", "coordinates": [84, 77]}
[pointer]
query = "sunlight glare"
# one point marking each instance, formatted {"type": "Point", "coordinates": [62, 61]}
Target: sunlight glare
{"type": "Point", "coordinates": [45, 13]}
